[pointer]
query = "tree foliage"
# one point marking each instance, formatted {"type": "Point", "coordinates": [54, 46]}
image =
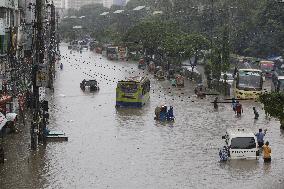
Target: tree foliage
{"type": "Point", "coordinates": [249, 27]}
{"type": "Point", "coordinates": [274, 104]}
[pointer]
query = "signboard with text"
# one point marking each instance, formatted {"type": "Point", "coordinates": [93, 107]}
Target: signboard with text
{"type": "Point", "coordinates": [41, 91]}
{"type": "Point", "coordinates": [42, 77]}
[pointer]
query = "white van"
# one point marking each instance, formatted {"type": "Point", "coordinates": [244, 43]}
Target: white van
{"type": "Point", "coordinates": [241, 144]}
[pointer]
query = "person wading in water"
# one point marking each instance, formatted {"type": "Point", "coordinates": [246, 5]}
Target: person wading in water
{"type": "Point", "coordinates": [215, 103]}
{"type": "Point", "coordinates": [266, 153]}
{"type": "Point", "coordinates": [260, 137]}
{"type": "Point", "coordinates": [239, 109]}
{"type": "Point", "coordinates": [256, 114]}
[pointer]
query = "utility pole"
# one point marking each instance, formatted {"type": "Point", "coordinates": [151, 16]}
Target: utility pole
{"type": "Point", "coordinates": [52, 47]}
{"type": "Point", "coordinates": [39, 60]}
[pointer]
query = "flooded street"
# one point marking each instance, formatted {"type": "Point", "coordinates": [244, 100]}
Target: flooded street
{"type": "Point", "coordinates": [127, 148]}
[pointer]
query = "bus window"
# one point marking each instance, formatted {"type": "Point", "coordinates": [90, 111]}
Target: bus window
{"type": "Point", "coordinates": [128, 87]}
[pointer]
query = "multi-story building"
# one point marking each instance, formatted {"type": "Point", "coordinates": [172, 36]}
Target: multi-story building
{"type": "Point", "coordinates": [76, 4]}
{"type": "Point", "coordinates": [11, 12]}
{"type": "Point", "coordinates": [119, 2]}
{"type": "Point", "coordinates": [9, 19]}
{"type": "Point", "coordinates": [108, 3]}
{"type": "Point", "coordinates": [60, 4]}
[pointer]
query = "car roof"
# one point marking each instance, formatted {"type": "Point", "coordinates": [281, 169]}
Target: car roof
{"type": "Point", "coordinates": [250, 70]}
{"type": "Point", "coordinates": [240, 132]}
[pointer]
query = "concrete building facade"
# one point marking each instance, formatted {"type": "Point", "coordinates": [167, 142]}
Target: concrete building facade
{"type": "Point", "coordinates": [76, 4]}
{"type": "Point", "coordinates": [108, 3]}
{"type": "Point", "coordinates": [119, 2]}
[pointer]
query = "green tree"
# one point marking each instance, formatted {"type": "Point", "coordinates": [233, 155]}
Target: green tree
{"type": "Point", "coordinates": [150, 35]}
{"type": "Point", "coordinates": [274, 105]}
{"type": "Point", "coordinates": [225, 50]}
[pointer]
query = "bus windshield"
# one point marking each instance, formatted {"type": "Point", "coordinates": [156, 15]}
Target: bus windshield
{"type": "Point", "coordinates": [243, 143]}
{"type": "Point", "coordinates": [249, 80]}
{"type": "Point", "coordinates": [128, 87]}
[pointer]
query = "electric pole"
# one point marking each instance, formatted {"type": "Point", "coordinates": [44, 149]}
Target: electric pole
{"type": "Point", "coordinates": [52, 47]}
{"type": "Point", "coordinates": [36, 127]}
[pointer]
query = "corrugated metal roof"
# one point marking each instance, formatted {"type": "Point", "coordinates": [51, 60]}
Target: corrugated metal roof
{"type": "Point", "coordinates": [139, 8]}
{"type": "Point", "coordinates": [104, 13]}
{"type": "Point", "coordinates": [77, 27]}
{"type": "Point", "coordinates": [118, 11]}
{"type": "Point", "coordinates": [157, 12]}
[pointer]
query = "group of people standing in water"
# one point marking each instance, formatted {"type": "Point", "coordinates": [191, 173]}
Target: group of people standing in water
{"type": "Point", "coordinates": [237, 107]}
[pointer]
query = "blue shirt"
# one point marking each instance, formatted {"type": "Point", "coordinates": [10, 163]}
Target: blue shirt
{"type": "Point", "coordinates": [260, 137]}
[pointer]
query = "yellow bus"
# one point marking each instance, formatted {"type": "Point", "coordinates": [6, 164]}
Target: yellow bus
{"type": "Point", "coordinates": [248, 84]}
{"type": "Point", "coordinates": [133, 92]}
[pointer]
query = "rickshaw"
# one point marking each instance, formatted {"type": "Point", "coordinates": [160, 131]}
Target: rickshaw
{"type": "Point", "coordinates": [171, 74]}
{"type": "Point", "coordinates": [141, 64]}
{"type": "Point", "coordinates": [91, 85]}
{"type": "Point", "coordinates": [179, 80]}
{"type": "Point", "coordinates": [151, 67]}
{"type": "Point", "coordinates": [162, 113]}
{"type": "Point", "coordinates": [160, 75]}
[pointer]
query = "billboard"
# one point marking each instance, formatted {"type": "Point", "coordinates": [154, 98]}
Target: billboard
{"type": "Point", "coordinates": [42, 76]}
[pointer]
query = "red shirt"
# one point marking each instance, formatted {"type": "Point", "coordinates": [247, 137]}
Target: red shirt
{"type": "Point", "coordinates": [239, 108]}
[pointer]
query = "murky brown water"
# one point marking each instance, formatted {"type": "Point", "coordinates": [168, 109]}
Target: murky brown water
{"type": "Point", "coordinates": [124, 148]}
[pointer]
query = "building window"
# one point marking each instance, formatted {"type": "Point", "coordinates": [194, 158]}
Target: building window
{"type": "Point", "coordinates": [2, 13]}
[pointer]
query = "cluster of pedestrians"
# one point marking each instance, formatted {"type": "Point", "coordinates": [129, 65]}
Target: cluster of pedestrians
{"type": "Point", "coordinates": [266, 150]}
{"type": "Point", "coordinates": [238, 109]}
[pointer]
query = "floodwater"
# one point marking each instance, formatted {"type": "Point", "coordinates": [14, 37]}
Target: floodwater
{"type": "Point", "coordinates": [127, 148]}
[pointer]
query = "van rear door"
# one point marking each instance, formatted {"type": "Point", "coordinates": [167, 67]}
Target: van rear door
{"type": "Point", "coordinates": [243, 148]}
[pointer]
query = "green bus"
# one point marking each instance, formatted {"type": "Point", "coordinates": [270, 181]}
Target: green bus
{"type": "Point", "coordinates": [133, 92]}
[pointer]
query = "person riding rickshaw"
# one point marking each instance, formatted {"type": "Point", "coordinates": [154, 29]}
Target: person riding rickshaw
{"type": "Point", "coordinates": [162, 113]}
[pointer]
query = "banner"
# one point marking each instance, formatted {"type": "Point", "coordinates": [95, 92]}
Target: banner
{"type": "Point", "coordinates": [42, 77]}
{"type": "Point", "coordinates": [41, 92]}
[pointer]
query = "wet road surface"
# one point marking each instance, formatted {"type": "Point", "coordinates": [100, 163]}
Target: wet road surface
{"type": "Point", "coordinates": [127, 148]}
